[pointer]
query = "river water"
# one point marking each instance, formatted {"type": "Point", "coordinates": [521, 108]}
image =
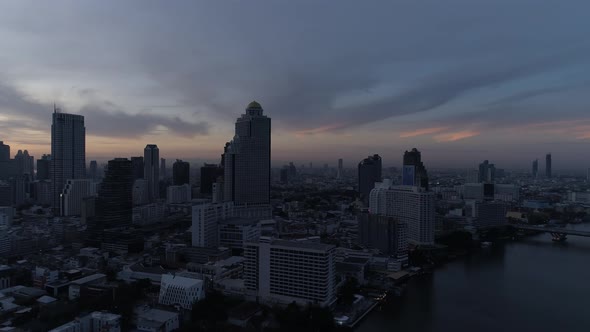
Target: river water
{"type": "Point", "coordinates": [531, 285]}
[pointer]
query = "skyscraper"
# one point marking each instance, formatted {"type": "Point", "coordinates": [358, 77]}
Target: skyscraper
{"type": "Point", "coordinates": [4, 152]}
{"type": "Point", "coordinates": [369, 170]}
{"type": "Point", "coordinates": [414, 173]}
{"type": "Point", "coordinates": [181, 172]}
{"type": "Point", "coordinates": [138, 168]}
{"type": "Point", "coordinates": [163, 171]}
{"type": "Point", "coordinates": [487, 172]}
{"type": "Point", "coordinates": [151, 171]}
{"type": "Point", "coordinates": [410, 204]}
{"type": "Point", "coordinates": [548, 166]}
{"type": "Point", "coordinates": [535, 168]}
{"type": "Point", "coordinates": [68, 151]}
{"type": "Point", "coordinates": [24, 162]}
{"type": "Point", "coordinates": [93, 170]}
{"type": "Point", "coordinates": [43, 166]}
{"type": "Point", "coordinates": [247, 160]}
{"type": "Point", "coordinates": [209, 174]}
{"type": "Point", "coordinates": [114, 204]}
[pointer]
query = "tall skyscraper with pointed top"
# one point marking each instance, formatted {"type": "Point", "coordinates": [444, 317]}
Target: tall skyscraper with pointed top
{"type": "Point", "coordinates": [151, 171]}
{"type": "Point", "coordinates": [68, 151]}
{"type": "Point", "coordinates": [247, 160]}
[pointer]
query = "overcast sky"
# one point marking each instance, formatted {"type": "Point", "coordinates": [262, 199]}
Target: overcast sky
{"type": "Point", "coordinates": [462, 81]}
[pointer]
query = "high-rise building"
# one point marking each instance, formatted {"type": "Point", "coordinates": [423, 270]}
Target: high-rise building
{"type": "Point", "coordinates": [412, 205]}
{"type": "Point", "coordinates": [278, 271]}
{"type": "Point", "coordinates": [178, 194]}
{"type": "Point", "coordinates": [487, 172]}
{"type": "Point", "coordinates": [68, 151]}
{"type": "Point", "coordinates": [93, 170]}
{"type": "Point", "coordinates": [369, 172]}
{"type": "Point", "coordinates": [151, 161]}
{"type": "Point", "coordinates": [181, 291]}
{"type": "Point", "coordinates": [340, 168]}
{"type": "Point", "coordinates": [247, 160]}
{"type": "Point", "coordinates": [414, 173]}
{"type": "Point", "coordinates": [114, 204]}
{"type": "Point", "coordinates": [205, 226]}
{"type": "Point", "coordinates": [209, 175]}
{"type": "Point", "coordinates": [181, 172]}
{"type": "Point", "coordinates": [4, 151]}
{"type": "Point", "coordinates": [43, 166]}
{"type": "Point", "coordinates": [163, 171]}
{"type": "Point", "coordinates": [25, 163]}
{"type": "Point", "coordinates": [138, 168]}
{"type": "Point", "coordinates": [385, 233]}
{"type": "Point", "coordinates": [73, 194]}
{"type": "Point", "coordinates": [535, 168]}
{"type": "Point", "coordinates": [548, 173]}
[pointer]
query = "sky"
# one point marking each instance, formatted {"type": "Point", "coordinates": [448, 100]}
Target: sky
{"type": "Point", "coordinates": [462, 81]}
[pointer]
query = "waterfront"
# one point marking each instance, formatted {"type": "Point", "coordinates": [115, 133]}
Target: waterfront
{"type": "Point", "coordinates": [531, 285]}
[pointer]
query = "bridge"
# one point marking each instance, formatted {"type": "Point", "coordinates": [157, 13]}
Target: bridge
{"type": "Point", "coordinates": [558, 233]}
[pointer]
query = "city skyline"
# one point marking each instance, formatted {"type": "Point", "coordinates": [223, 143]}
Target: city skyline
{"type": "Point", "coordinates": [179, 75]}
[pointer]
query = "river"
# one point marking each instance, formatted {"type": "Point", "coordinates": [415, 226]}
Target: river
{"type": "Point", "coordinates": [531, 285]}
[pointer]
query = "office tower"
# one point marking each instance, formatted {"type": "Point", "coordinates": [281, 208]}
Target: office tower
{"type": "Point", "coordinates": [4, 151]}
{"type": "Point", "coordinates": [414, 173]}
{"type": "Point", "coordinates": [369, 172]}
{"type": "Point", "coordinates": [18, 186]}
{"type": "Point", "coordinates": [138, 168]}
{"type": "Point", "coordinates": [535, 168]}
{"type": "Point", "coordinates": [412, 205]}
{"type": "Point", "coordinates": [151, 161]}
{"type": "Point", "coordinates": [340, 168]}
{"type": "Point", "coordinates": [93, 170]}
{"type": "Point", "coordinates": [548, 166]}
{"type": "Point", "coordinates": [73, 194]}
{"type": "Point", "coordinates": [178, 194]}
{"type": "Point", "coordinates": [209, 175]}
{"type": "Point", "coordinates": [140, 192]}
{"type": "Point", "coordinates": [88, 209]}
{"type": "Point", "coordinates": [41, 192]}
{"type": "Point", "coordinates": [206, 218]}
{"type": "Point", "coordinates": [247, 160]}
{"type": "Point", "coordinates": [292, 171]}
{"type": "Point", "coordinates": [163, 172]}
{"type": "Point", "coordinates": [181, 172]}
{"type": "Point", "coordinates": [279, 271]}
{"type": "Point", "coordinates": [114, 204]}
{"type": "Point", "coordinates": [25, 163]}
{"type": "Point", "coordinates": [487, 172]}
{"type": "Point", "coordinates": [43, 166]}
{"type": "Point", "coordinates": [68, 151]}
{"type": "Point", "coordinates": [5, 194]}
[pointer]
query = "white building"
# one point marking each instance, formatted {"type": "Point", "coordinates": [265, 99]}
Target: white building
{"type": "Point", "coordinates": [94, 322]}
{"type": "Point", "coordinates": [235, 232]}
{"type": "Point", "coordinates": [278, 271]}
{"type": "Point", "coordinates": [72, 195]}
{"type": "Point", "coordinates": [205, 218]}
{"type": "Point", "coordinates": [156, 320]}
{"type": "Point", "coordinates": [178, 194]}
{"type": "Point", "coordinates": [409, 204]}
{"type": "Point", "coordinates": [180, 291]}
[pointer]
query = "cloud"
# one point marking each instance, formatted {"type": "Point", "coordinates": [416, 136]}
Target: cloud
{"type": "Point", "coordinates": [420, 132]}
{"type": "Point", "coordinates": [455, 136]}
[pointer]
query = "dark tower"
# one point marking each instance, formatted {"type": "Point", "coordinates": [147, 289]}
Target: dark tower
{"type": "Point", "coordinates": [181, 172]}
{"type": "Point", "coordinates": [137, 166]}
{"type": "Point", "coordinates": [369, 170]}
{"type": "Point", "coordinates": [414, 173]}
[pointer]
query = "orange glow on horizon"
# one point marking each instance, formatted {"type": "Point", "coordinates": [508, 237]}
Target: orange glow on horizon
{"type": "Point", "coordinates": [456, 136]}
{"type": "Point", "coordinates": [420, 132]}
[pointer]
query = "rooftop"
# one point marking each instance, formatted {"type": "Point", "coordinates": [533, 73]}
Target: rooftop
{"type": "Point", "coordinates": [89, 278]}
